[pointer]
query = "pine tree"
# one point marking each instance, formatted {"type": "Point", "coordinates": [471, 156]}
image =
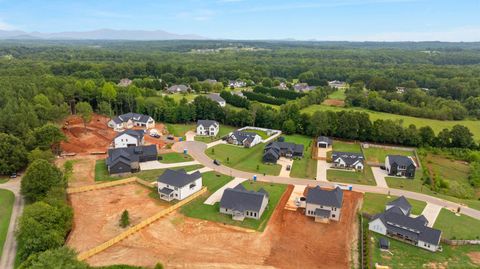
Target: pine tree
{"type": "Point", "coordinates": [124, 219]}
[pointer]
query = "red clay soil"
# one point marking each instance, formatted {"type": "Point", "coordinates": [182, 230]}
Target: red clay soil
{"type": "Point", "coordinates": [334, 102]}
{"type": "Point", "coordinates": [83, 169]}
{"type": "Point", "coordinates": [291, 240]}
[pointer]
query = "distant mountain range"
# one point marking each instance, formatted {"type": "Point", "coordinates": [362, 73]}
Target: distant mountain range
{"type": "Point", "coordinates": [101, 34]}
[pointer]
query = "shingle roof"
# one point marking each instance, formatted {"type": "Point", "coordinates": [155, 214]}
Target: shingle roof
{"type": "Point", "coordinates": [207, 123]}
{"type": "Point", "coordinates": [178, 178]}
{"type": "Point", "coordinates": [130, 154]}
{"type": "Point", "coordinates": [348, 157]}
{"type": "Point", "coordinates": [319, 196]}
{"type": "Point", "coordinates": [178, 88]}
{"type": "Point", "coordinates": [292, 147]}
{"type": "Point", "coordinates": [135, 133]}
{"type": "Point", "coordinates": [215, 97]}
{"type": "Point", "coordinates": [133, 116]}
{"type": "Point", "coordinates": [240, 199]}
{"type": "Point", "coordinates": [244, 136]}
{"type": "Point", "coordinates": [402, 203]}
{"type": "Point", "coordinates": [400, 160]}
{"type": "Point", "coordinates": [325, 139]}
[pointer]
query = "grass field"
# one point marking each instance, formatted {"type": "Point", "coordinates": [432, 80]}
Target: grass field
{"type": "Point", "coordinates": [174, 157]}
{"type": "Point", "coordinates": [447, 168]}
{"type": "Point", "coordinates": [338, 95]}
{"type": "Point", "coordinates": [437, 125]}
{"type": "Point", "coordinates": [406, 256]}
{"type": "Point", "coordinates": [457, 227]}
{"type": "Point", "coordinates": [346, 147]}
{"type": "Point", "coordinates": [245, 159]}
{"type": "Point", "coordinates": [7, 198]}
{"type": "Point", "coordinates": [305, 167]}
{"type": "Point", "coordinates": [224, 130]}
{"type": "Point", "coordinates": [179, 130]}
{"type": "Point", "coordinates": [4, 180]}
{"type": "Point", "coordinates": [197, 209]}
{"type": "Point", "coordinates": [364, 177]}
{"type": "Point", "coordinates": [378, 155]}
{"type": "Point", "coordinates": [374, 203]}
{"type": "Point", "coordinates": [261, 133]}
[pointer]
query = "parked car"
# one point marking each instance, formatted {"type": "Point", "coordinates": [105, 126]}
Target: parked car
{"type": "Point", "coordinates": [170, 137]}
{"type": "Point", "coordinates": [216, 162]}
{"type": "Point", "coordinates": [289, 167]}
{"type": "Point", "coordinates": [155, 135]}
{"type": "Point", "coordinates": [382, 167]}
{"type": "Point", "coordinates": [13, 175]}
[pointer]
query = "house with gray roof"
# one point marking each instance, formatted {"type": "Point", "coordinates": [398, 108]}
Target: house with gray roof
{"type": "Point", "coordinates": [237, 83]}
{"type": "Point", "coordinates": [398, 165]}
{"type": "Point", "coordinates": [242, 204]}
{"type": "Point", "coordinates": [128, 159]}
{"type": "Point", "coordinates": [274, 150]}
{"type": "Point", "coordinates": [246, 139]}
{"type": "Point", "coordinates": [217, 98]}
{"type": "Point", "coordinates": [323, 204]}
{"type": "Point", "coordinates": [347, 160]}
{"type": "Point", "coordinates": [129, 138]}
{"type": "Point", "coordinates": [324, 142]}
{"type": "Point", "coordinates": [178, 89]}
{"type": "Point", "coordinates": [208, 127]}
{"type": "Point", "coordinates": [303, 87]}
{"type": "Point", "coordinates": [396, 223]}
{"type": "Point", "coordinates": [178, 184]}
{"type": "Point", "coordinates": [124, 82]}
{"type": "Point", "coordinates": [130, 120]}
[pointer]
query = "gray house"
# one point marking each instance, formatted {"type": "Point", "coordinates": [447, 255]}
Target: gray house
{"type": "Point", "coordinates": [347, 160]}
{"type": "Point", "coordinates": [246, 139]}
{"type": "Point", "coordinates": [242, 204]}
{"type": "Point", "coordinates": [323, 204]}
{"type": "Point", "coordinates": [126, 160]}
{"type": "Point", "coordinates": [397, 165]}
{"type": "Point", "coordinates": [274, 150]}
{"type": "Point", "coordinates": [217, 98]}
{"type": "Point", "coordinates": [396, 223]}
{"type": "Point", "coordinates": [324, 142]}
{"type": "Point", "coordinates": [178, 89]}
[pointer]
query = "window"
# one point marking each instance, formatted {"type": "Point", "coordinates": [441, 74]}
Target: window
{"type": "Point", "coordinates": [333, 216]}
{"type": "Point", "coordinates": [255, 214]}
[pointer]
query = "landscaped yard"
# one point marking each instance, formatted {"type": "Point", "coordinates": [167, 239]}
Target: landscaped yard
{"type": "Point", "coordinates": [245, 159]}
{"type": "Point", "coordinates": [378, 155]}
{"type": "Point", "coordinates": [179, 130]}
{"type": "Point", "coordinates": [224, 130]}
{"type": "Point", "coordinates": [364, 177]}
{"type": "Point", "coordinates": [457, 227]}
{"type": "Point", "coordinates": [174, 157]}
{"type": "Point", "coordinates": [261, 133]}
{"type": "Point", "coordinates": [374, 203]}
{"type": "Point", "coordinates": [346, 146]}
{"type": "Point", "coordinates": [305, 167]}
{"type": "Point", "coordinates": [7, 198]}
{"type": "Point", "coordinates": [197, 209]}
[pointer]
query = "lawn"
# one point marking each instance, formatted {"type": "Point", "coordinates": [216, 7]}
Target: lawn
{"type": "Point", "coordinates": [179, 130]}
{"type": "Point", "coordinates": [364, 177]}
{"type": "Point", "coordinates": [174, 157]}
{"type": "Point", "coordinates": [4, 180]}
{"type": "Point", "coordinates": [338, 95]}
{"type": "Point", "coordinates": [7, 198]}
{"type": "Point", "coordinates": [374, 203]}
{"type": "Point", "coordinates": [261, 133]}
{"type": "Point", "coordinates": [245, 159]}
{"type": "Point", "coordinates": [197, 209]}
{"type": "Point", "coordinates": [406, 256]}
{"type": "Point", "coordinates": [377, 155]}
{"type": "Point", "coordinates": [447, 168]}
{"type": "Point", "coordinates": [305, 167]}
{"type": "Point", "coordinates": [457, 227]}
{"type": "Point", "coordinates": [346, 146]}
{"type": "Point", "coordinates": [437, 125]}
{"type": "Point", "coordinates": [224, 130]}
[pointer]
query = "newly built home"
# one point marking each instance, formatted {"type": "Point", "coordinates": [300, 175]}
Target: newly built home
{"type": "Point", "coordinates": [127, 160]}
{"type": "Point", "coordinates": [246, 139]}
{"type": "Point", "coordinates": [401, 166]}
{"type": "Point", "coordinates": [242, 204]}
{"type": "Point", "coordinates": [274, 150]}
{"type": "Point", "coordinates": [178, 184]}
{"type": "Point", "coordinates": [208, 127]}
{"type": "Point", "coordinates": [130, 120]}
{"type": "Point", "coordinates": [178, 89]}
{"type": "Point", "coordinates": [237, 83]}
{"type": "Point", "coordinates": [129, 138]}
{"type": "Point", "coordinates": [303, 87]}
{"type": "Point", "coordinates": [324, 204]}
{"type": "Point", "coordinates": [217, 98]}
{"type": "Point", "coordinates": [348, 160]}
{"type": "Point", "coordinates": [324, 142]}
{"type": "Point", "coordinates": [397, 223]}
{"type": "Point", "coordinates": [337, 84]}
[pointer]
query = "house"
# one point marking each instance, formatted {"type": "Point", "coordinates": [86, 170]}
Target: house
{"type": "Point", "coordinates": [178, 184]}
{"type": "Point", "coordinates": [324, 205]}
{"type": "Point", "coordinates": [347, 160]}
{"type": "Point", "coordinates": [217, 98]}
{"type": "Point", "coordinates": [242, 204]}
{"type": "Point", "coordinates": [129, 138]}
{"type": "Point", "coordinates": [337, 84]}
{"type": "Point", "coordinates": [127, 160]}
{"type": "Point", "coordinates": [130, 120]}
{"type": "Point", "coordinates": [274, 150]}
{"type": "Point", "coordinates": [237, 83]}
{"type": "Point", "coordinates": [178, 89]}
{"type": "Point", "coordinates": [210, 81]}
{"type": "Point", "coordinates": [395, 223]}
{"type": "Point", "coordinates": [246, 139]}
{"type": "Point", "coordinates": [303, 87]}
{"type": "Point", "coordinates": [400, 89]}
{"type": "Point", "coordinates": [207, 127]}
{"type": "Point", "coordinates": [402, 203]}
{"type": "Point", "coordinates": [282, 86]}
{"type": "Point", "coordinates": [397, 165]}
{"type": "Point", "coordinates": [324, 142]}
{"type": "Point", "coordinates": [124, 82]}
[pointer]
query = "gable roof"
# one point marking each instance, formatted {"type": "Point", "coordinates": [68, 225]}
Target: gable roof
{"type": "Point", "coordinates": [319, 196]}
{"type": "Point", "coordinates": [132, 116]}
{"type": "Point", "coordinates": [240, 199]}
{"type": "Point", "coordinates": [178, 88]}
{"type": "Point", "coordinates": [215, 97]}
{"type": "Point", "coordinates": [244, 136]}
{"type": "Point", "coordinates": [401, 160]}
{"type": "Point", "coordinates": [207, 123]}
{"type": "Point", "coordinates": [178, 178]}
{"type": "Point", "coordinates": [325, 140]}
{"type": "Point", "coordinates": [138, 134]}
{"type": "Point", "coordinates": [349, 158]}
{"type": "Point", "coordinates": [402, 203]}
{"type": "Point", "coordinates": [130, 154]}
{"type": "Point", "coordinates": [285, 146]}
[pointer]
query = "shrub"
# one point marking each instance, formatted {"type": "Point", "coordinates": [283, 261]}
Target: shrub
{"type": "Point", "coordinates": [124, 219]}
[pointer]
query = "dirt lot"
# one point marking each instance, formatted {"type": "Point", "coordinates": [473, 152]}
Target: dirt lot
{"type": "Point", "coordinates": [291, 241]}
{"type": "Point", "coordinates": [334, 102]}
{"type": "Point", "coordinates": [159, 141]}
{"type": "Point", "coordinates": [97, 213]}
{"type": "Point", "coordinates": [83, 169]}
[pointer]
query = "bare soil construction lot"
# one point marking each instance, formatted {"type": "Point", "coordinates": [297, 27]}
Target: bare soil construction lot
{"type": "Point", "coordinates": [291, 240]}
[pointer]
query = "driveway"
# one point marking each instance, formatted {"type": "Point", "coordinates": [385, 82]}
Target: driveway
{"type": "Point", "coordinates": [298, 191]}
{"type": "Point", "coordinates": [284, 162]}
{"type": "Point", "coordinates": [10, 248]}
{"type": "Point", "coordinates": [322, 167]}
{"type": "Point", "coordinates": [216, 196]}
{"type": "Point", "coordinates": [158, 165]}
{"type": "Point", "coordinates": [190, 136]}
{"type": "Point", "coordinates": [379, 176]}
{"type": "Point", "coordinates": [322, 152]}
{"type": "Point", "coordinates": [431, 212]}
{"type": "Point", "coordinates": [214, 143]}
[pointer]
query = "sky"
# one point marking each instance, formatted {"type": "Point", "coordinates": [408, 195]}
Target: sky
{"type": "Point", "coordinates": [351, 20]}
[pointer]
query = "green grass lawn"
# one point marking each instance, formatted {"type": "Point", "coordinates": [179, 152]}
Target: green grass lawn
{"type": "Point", "coordinates": [174, 157]}
{"type": "Point", "coordinates": [346, 147]}
{"type": "Point", "coordinates": [338, 95]}
{"type": "Point", "coordinates": [406, 256]}
{"type": "Point", "coordinates": [305, 167]}
{"type": "Point", "coordinates": [101, 172]}
{"type": "Point", "coordinates": [437, 125]}
{"type": "Point", "coordinates": [364, 177]}
{"type": "Point", "coordinates": [245, 159]}
{"type": "Point", "coordinates": [4, 180]}
{"type": "Point", "coordinates": [224, 130]}
{"type": "Point", "coordinates": [374, 203]}
{"type": "Point", "coordinates": [196, 209]}
{"type": "Point", "coordinates": [378, 155]}
{"type": "Point", "coordinates": [7, 198]}
{"type": "Point", "coordinates": [179, 130]}
{"type": "Point", "coordinates": [261, 133]}
{"type": "Point", "coordinates": [457, 227]}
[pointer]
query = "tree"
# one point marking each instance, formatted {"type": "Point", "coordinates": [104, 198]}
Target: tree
{"type": "Point", "coordinates": [38, 154]}
{"type": "Point", "coordinates": [461, 137]}
{"type": "Point", "coordinates": [58, 258]}
{"type": "Point", "coordinates": [85, 111]}
{"type": "Point", "coordinates": [39, 178]}
{"type": "Point", "coordinates": [49, 136]}
{"type": "Point", "coordinates": [158, 266]}
{"type": "Point", "coordinates": [124, 219]}
{"type": "Point", "coordinates": [13, 155]}
{"type": "Point", "coordinates": [267, 82]}
{"type": "Point", "coordinates": [289, 126]}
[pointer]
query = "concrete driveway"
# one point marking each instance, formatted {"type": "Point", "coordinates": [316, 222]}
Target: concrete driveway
{"type": "Point", "coordinates": [152, 165]}
{"type": "Point", "coordinates": [379, 176]}
{"type": "Point", "coordinates": [190, 136]}
{"type": "Point", "coordinates": [216, 196]}
{"type": "Point", "coordinates": [322, 152]}
{"type": "Point", "coordinates": [431, 212]}
{"type": "Point", "coordinates": [322, 167]}
{"type": "Point", "coordinates": [214, 143]}
{"type": "Point", "coordinates": [298, 191]}
{"type": "Point", "coordinates": [284, 162]}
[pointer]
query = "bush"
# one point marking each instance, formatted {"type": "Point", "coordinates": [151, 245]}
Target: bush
{"type": "Point", "coordinates": [40, 177]}
{"type": "Point", "coordinates": [124, 219]}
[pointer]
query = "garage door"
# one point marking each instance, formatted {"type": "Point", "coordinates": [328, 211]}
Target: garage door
{"type": "Point", "coordinates": [322, 145]}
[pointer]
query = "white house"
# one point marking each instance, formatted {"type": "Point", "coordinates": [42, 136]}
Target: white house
{"type": "Point", "coordinates": [130, 120]}
{"type": "Point", "coordinates": [217, 98]}
{"type": "Point", "coordinates": [207, 127]}
{"type": "Point", "coordinates": [347, 160]}
{"type": "Point", "coordinates": [129, 138]}
{"type": "Point", "coordinates": [246, 139]}
{"type": "Point", "coordinates": [324, 205]}
{"type": "Point", "coordinates": [178, 184]}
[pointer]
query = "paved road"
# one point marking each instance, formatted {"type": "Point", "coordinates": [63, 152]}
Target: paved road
{"type": "Point", "coordinates": [196, 150]}
{"type": "Point", "coordinates": [379, 176]}
{"type": "Point", "coordinates": [10, 248]}
{"type": "Point", "coordinates": [216, 196]}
